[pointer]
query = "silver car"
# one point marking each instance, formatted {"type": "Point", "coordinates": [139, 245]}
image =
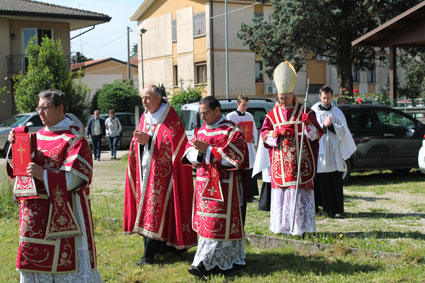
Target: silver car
{"type": "Point", "coordinates": [32, 121]}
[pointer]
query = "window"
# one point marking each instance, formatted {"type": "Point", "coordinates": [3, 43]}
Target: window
{"type": "Point", "coordinates": [201, 72]}
{"type": "Point", "coordinates": [258, 15]}
{"type": "Point", "coordinates": [371, 75]}
{"type": "Point", "coordinates": [199, 24]}
{"type": "Point", "coordinates": [394, 120]}
{"type": "Point", "coordinates": [174, 30]}
{"type": "Point", "coordinates": [27, 35]}
{"type": "Point", "coordinates": [359, 120]}
{"type": "Point", "coordinates": [259, 116]}
{"type": "Point", "coordinates": [175, 76]}
{"type": "Point", "coordinates": [258, 74]}
{"type": "Point", "coordinates": [355, 72]}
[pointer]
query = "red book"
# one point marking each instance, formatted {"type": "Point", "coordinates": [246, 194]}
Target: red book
{"type": "Point", "coordinates": [247, 128]}
{"type": "Point", "coordinates": [24, 144]}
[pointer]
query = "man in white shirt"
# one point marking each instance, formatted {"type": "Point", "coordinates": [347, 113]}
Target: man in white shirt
{"type": "Point", "coordinates": [335, 146]}
{"type": "Point", "coordinates": [113, 129]}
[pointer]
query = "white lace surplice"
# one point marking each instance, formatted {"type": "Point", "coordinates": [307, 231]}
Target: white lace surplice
{"type": "Point", "coordinates": [223, 254]}
{"type": "Point", "coordinates": [282, 209]}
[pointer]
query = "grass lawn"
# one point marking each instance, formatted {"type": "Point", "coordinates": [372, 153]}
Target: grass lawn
{"type": "Point", "coordinates": [385, 212]}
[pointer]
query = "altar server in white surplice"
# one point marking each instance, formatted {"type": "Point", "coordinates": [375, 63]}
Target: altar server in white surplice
{"type": "Point", "coordinates": [335, 146]}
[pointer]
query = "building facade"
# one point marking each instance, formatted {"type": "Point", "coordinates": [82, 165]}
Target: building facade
{"type": "Point", "coordinates": [183, 45]}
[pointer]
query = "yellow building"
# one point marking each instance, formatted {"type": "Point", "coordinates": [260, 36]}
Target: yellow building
{"type": "Point", "coordinates": [184, 45]}
{"type": "Point", "coordinates": [21, 20]}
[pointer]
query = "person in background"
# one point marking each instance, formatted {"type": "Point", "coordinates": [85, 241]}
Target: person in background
{"type": "Point", "coordinates": [56, 235]}
{"type": "Point", "coordinates": [96, 131]}
{"type": "Point", "coordinates": [113, 129]}
{"type": "Point", "coordinates": [335, 146]}
{"type": "Point", "coordinates": [219, 151]}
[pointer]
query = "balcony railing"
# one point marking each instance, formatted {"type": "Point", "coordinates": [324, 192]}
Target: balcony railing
{"type": "Point", "coordinates": [18, 63]}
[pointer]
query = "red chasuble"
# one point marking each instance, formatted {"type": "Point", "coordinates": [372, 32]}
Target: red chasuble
{"type": "Point", "coordinates": [284, 157]}
{"type": "Point", "coordinates": [158, 205]}
{"type": "Point", "coordinates": [216, 208]}
{"type": "Point", "coordinates": [47, 224]}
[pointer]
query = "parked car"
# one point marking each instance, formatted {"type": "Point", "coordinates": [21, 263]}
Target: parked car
{"type": "Point", "coordinates": [128, 123]}
{"type": "Point", "coordinates": [386, 138]}
{"type": "Point", "coordinates": [192, 119]}
{"type": "Point", "coordinates": [32, 121]}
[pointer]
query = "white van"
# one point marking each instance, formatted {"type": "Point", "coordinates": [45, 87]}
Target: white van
{"type": "Point", "coordinates": [192, 119]}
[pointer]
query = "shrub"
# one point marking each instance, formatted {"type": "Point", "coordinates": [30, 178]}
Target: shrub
{"type": "Point", "coordinates": [185, 96]}
{"type": "Point", "coordinates": [120, 96]}
{"type": "Point", "coordinates": [48, 68]}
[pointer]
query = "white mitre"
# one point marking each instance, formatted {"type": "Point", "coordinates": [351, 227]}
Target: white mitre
{"type": "Point", "coordinates": [285, 77]}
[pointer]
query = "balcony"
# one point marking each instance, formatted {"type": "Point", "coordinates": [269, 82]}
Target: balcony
{"type": "Point", "coordinates": [18, 63]}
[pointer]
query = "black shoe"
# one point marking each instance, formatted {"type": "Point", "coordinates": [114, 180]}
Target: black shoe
{"type": "Point", "coordinates": [199, 271]}
{"type": "Point", "coordinates": [144, 261]}
{"type": "Point", "coordinates": [251, 199]}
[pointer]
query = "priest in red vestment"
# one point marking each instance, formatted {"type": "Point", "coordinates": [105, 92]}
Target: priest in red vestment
{"type": "Point", "coordinates": [281, 132]}
{"type": "Point", "coordinates": [218, 150]}
{"type": "Point", "coordinates": [158, 189]}
{"type": "Point", "coordinates": [56, 237]}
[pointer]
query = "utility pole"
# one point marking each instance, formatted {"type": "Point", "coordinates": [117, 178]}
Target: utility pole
{"type": "Point", "coordinates": [142, 31]}
{"type": "Point", "coordinates": [128, 53]}
{"type": "Point", "coordinates": [226, 35]}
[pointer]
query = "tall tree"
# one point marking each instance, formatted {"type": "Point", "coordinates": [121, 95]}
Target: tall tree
{"type": "Point", "coordinates": [303, 29]}
{"type": "Point", "coordinates": [134, 50]}
{"type": "Point", "coordinates": [48, 68]}
{"type": "Point", "coordinates": [79, 57]}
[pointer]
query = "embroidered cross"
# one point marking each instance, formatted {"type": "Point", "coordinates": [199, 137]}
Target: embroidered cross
{"type": "Point", "coordinates": [245, 131]}
{"type": "Point", "coordinates": [21, 150]}
{"type": "Point", "coordinates": [212, 190]}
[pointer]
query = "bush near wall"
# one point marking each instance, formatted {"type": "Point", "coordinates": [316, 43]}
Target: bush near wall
{"type": "Point", "coordinates": [182, 97]}
{"type": "Point", "coordinates": [120, 96]}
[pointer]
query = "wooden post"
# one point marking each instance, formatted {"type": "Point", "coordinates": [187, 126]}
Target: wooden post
{"type": "Point", "coordinates": [393, 75]}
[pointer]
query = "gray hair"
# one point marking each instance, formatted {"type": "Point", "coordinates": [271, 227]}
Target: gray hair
{"type": "Point", "coordinates": [156, 90]}
{"type": "Point", "coordinates": [54, 96]}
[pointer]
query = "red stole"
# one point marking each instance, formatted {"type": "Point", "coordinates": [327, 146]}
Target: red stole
{"type": "Point", "coordinates": [284, 160]}
{"type": "Point", "coordinates": [47, 222]}
{"type": "Point", "coordinates": [158, 205]}
{"type": "Point", "coordinates": [216, 213]}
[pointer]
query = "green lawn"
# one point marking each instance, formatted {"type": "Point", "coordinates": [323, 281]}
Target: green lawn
{"type": "Point", "coordinates": [385, 212]}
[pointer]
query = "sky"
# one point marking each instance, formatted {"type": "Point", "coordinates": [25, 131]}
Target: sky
{"type": "Point", "coordinates": [108, 39]}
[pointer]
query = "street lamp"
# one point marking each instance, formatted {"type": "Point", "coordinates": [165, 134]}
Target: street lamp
{"type": "Point", "coordinates": [142, 31]}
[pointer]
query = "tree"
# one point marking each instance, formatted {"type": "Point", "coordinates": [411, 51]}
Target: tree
{"type": "Point", "coordinates": [48, 68]}
{"type": "Point", "coordinates": [79, 57]}
{"type": "Point", "coordinates": [185, 96]}
{"type": "Point", "coordinates": [413, 62]}
{"type": "Point", "coordinates": [134, 50]}
{"type": "Point", "coordinates": [120, 96]}
{"type": "Point", "coordinates": [303, 29]}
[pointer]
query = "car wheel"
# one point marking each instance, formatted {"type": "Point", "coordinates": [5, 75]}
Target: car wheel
{"type": "Point", "coordinates": [5, 149]}
{"type": "Point", "coordinates": [348, 168]}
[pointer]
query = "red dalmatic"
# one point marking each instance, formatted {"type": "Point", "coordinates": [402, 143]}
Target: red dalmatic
{"type": "Point", "coordinates": [158, 205]}
{"type": "Point", "coordinates": [284, 157]}
{"type": "Point", "coordinates": [47, 224]}
{"type": "Point", "coordinates": [216, 207]}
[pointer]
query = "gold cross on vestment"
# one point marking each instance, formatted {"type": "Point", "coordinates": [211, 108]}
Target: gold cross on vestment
{"type": "Point", "coordinates": [21, 150]}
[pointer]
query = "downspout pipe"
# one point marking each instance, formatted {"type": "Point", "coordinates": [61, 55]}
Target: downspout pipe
{"type": "Point", "coordinates": [212, 48]}
{"type": "Point", "coordinates": [92, 28]}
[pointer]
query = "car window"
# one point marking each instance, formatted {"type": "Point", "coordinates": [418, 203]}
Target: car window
{"type": "Point", "coordinates": [132, 119]}
{"type": "Point", "coordinates": [359, 120]}
{"type": "Point", "coordinates": [190, 120]}
{"type": "Point", "coordinates": [36, 121]}
{"type": "Point", "coordinates": [15, 121]}
{"type": "Point", "coordinates": [394, 120]}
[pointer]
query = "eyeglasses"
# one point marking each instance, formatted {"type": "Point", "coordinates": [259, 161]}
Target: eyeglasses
{"type": "Point", "coordinates": [43, 108]}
